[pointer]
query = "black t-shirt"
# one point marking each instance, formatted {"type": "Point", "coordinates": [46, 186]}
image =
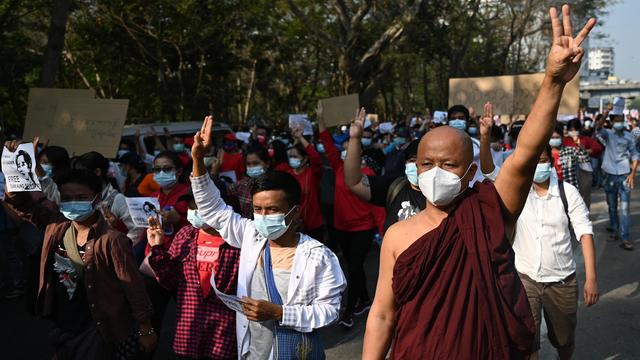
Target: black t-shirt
{"type": "Point", "coordinates": [407, 203]}
{"type": "Point", "coordinates": [71, 315]}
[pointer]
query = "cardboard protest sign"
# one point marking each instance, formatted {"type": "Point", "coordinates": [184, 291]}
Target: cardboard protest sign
{"type": "Point", "coordinates": [475, 92]}
{"type": "Point", "coordinates": [301, 121]}
{"type": "Point", "coordinates": [19, 169]}
{"type": "Point", "coordinates": [141, 208]}
{"type": "Point", "coordinates": [526, 88]}
{"type": "Point", "coordinates": [41, 108]}
{"type": "Point", "coordinates": [339, 110]}
{"type": "Point", "coordinates": [509, 94]}
{"type": "Point", "coordinates": [83, 125]}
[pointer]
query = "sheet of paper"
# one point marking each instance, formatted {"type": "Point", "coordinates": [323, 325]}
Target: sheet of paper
{"type": "Point", "coordinates": [19, 169]}
{"type": "Point", "coordinates": [439, 117]}
{"type": "Point", "coordinates": [301, 121]}
{"type": "Point", "coordinates": [141, 208]}
{"type": "Point", "coordinates": [233, 302]}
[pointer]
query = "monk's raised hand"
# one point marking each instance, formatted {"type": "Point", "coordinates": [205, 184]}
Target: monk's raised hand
{"type": "Point", "coordinates": [564, 57]}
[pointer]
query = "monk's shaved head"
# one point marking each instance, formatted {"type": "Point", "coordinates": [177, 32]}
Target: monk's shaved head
{"type": "Point", "coordinates": [449, 140]}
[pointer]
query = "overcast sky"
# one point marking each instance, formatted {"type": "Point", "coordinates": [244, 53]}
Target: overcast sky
{"type": "Point", "coordinates": [622, 26]}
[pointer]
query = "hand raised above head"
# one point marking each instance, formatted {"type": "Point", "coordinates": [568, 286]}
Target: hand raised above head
{"type": "Point", "coordinates": [203, 139]}
{"type": "Point", "coordinates": [564, 57]}
{"type": "Point", "coordinates": [357, 125]}
{"type": "Point", "coordinates": [486, 121]}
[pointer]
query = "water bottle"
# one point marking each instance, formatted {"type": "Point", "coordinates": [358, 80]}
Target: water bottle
{"type": "Point", "coordinates": [168, 228]}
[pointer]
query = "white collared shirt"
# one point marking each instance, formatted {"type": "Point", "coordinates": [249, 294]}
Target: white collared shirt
{"type": "Point", "coordinates": [542, 242]}
{"type": "Point", "coordinates": [316, 283]}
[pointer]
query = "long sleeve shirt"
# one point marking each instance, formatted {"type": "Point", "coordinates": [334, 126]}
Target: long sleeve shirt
{"type": "Point", "coordinates": [205, 327]}
{"type": "Point", "coordinates": [316, 283]}
{"type": "Point", "coordinates": [543, 241]}
{"type": "Point", "coordinates": [620, 149]}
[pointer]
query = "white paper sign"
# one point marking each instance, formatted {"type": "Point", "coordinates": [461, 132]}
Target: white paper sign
{"type": "Point", "coordinates": [231, 301]}
{"type": "Point", "coordinates": [19, 169]}
{"type": "Point", "coordinates": [229, 174]}
{"type": "Point", "coordinates": [440, 117]}
{"type": "Point", "coordinates": [141, 208]}
{"type": "Point", "coordinates": [302, 121]}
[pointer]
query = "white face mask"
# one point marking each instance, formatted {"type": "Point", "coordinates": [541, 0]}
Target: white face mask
{"type": "Point", "coordinates": [440, 187]}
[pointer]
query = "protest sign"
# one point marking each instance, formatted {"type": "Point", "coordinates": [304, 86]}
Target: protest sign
{"type": "Point", "coordinates": [509, 94]}
{"type": "Point", "coordinates": [83, 125]}
{"type": "Point", "coordinates": [634, 113]}
{"type": "Point", "coordinates": [230, 174]}
{"type": "Point", "coordinates": [301, 121]}
{"type": "Point", "coordinates": [19, 169]}
{"type": "Point", "coordinates": [233, 302]}
{"type": "Point", "coordinates": [475, 92]}
{"type": "Point", "coordinates": [141, 208]}
{"type": "Point", "coordinates": [339, 110]}
{"type": "Point", "coordinates": [41, 108]}
{"type": "Point", "coordinates": [439, 117]}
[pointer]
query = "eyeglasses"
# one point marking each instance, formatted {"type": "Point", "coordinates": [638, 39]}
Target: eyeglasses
{"type": "Point", "coordinates": [167, 169]}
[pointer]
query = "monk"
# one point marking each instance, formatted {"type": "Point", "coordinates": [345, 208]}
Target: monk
{"type": "Point", "coordinates": [447, 286]}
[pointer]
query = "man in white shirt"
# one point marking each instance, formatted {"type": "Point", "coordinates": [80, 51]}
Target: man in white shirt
{"type": "Point", "coordinates": [290, 284]}
{"type": "Point", "coordinates": [544, 256]}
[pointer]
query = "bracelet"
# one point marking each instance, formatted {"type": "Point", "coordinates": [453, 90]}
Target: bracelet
{"type": "Point", "coordinates": [148, 333]}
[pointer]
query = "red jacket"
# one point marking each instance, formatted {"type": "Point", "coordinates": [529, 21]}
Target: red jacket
{"type": "Point", "coordinates": [309, 180]}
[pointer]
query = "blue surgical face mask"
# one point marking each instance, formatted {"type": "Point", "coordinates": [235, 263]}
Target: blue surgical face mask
{"type": "Point", "coordinates": [77, 210]}
{"type": "Point", "coordinates": [320, 148]}
{"type": "Point", "coordinates": [271, 226]}
{"type": "Point", "coordinates": [343, 154]}
{"type": "Point", "coordinates": [556, 143]}
{"type": "Point", "coordinates": [619, 126]}
{"type": "Point", "coordinates": [285, 141]}
{"type": "Point", "coordinates": [255, 171]}
{"type": "Point", "coordinates": [473, 130]}
{"type": "Point", "coordinates": [399, 140]}
{"type": "Point", "coordinates": [543, 171]}
{"type": "Point", "coordinates": [366, 142]}
{"type": "Point", "coordinates": [48, 169]}
{"type": "Point", "coordinates": [165, 179]}
{"type": "Point", "coordinates": [458, 124]}
{"type": "Point", "coordinates": [194, 218]}
{"type": "Point", "coordinates": [295, 163]}
{"type": "Point", "coordinates": [178, 147]}
{"type": "Point", "coordinates": [587, 124]}
{"type": "Point", "coordinates": [411, 170]}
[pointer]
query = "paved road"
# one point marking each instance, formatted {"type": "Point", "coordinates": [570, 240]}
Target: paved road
{"type": "Point", "coordinates": [610, 330]}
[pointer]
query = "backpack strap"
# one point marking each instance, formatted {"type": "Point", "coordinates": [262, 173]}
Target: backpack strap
{"type": "Point", "coordinates": [394, 189]}
{"type": "Point", "coordinates": [565, 203]}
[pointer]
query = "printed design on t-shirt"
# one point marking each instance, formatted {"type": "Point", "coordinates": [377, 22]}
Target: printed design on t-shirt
{"type": "Point", "coordinates": [67, 273]}
{"type": "Point", "coordinates": [407, 210]}
{"type": "Point", "coordinates": [207, 257]}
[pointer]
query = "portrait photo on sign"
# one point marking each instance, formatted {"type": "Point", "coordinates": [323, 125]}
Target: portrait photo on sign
{"type": "Point", "coordinates": [141, 208]}
{"type": "Point", "coordinates": [19, 169]}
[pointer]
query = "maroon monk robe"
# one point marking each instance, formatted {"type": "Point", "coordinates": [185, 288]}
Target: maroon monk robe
{"type": "Point", "coordinates": [458, 293]}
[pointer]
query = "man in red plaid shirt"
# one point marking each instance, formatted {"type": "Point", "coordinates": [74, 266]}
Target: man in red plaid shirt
{"type": "Point", "coordinates": [205, 327]}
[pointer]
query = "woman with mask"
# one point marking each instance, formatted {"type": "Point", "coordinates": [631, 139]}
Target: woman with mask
{"type": "Point", "coordinates": [54, 162]}
{"type": "Point", "coordinates": [232, 159]}
{"type": "Point", "coordinates": [197, 254]}
{"type": "Point", "coordinates": [305, 165]}
{"type": "Point", "coordinates": [566, 159]}
{"type": "Point", "coordinates": [280, 160]}
{"type": "Point", "coordinates": [257, 163]}
{"type": "Point", "coordinates": [90, 287]}
{"type": "Point", "coordinates": [577, 138]}
{"type": "Point", "coordinates": [134, 170]}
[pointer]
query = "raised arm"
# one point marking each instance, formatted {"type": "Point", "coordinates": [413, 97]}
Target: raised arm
{"type": "Point", "coordinates": [563, 63]}
{"type": "Point", "coordinates": [487, 166]}
{"type": "Point", "coordinates": [355, 180]}
{"type": "Point", "coordinates": [211, 207]}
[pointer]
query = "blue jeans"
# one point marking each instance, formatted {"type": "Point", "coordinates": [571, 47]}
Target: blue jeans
{"type": "Point", "coordinates": [615, 185]}
{"type": "Point", "coordinates": [597, 172]}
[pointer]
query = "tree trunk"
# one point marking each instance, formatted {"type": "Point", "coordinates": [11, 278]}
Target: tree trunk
{"type": "Point", "coordinates": [55, 43]}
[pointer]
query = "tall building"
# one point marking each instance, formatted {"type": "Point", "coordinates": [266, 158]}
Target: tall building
{"type": "Point", "coordinates": [601, 62]}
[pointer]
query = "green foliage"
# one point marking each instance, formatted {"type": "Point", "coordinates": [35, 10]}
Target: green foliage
{"type": "Point", "coordinates": [237, 59]}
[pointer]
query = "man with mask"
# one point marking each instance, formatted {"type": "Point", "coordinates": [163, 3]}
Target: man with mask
{"type": "Point", "coordinates": [395, 152]}
{"type": "Point", "coordinates": [400, 196]}
{"type": "Point", "coordinates": [289, 283]}
{"type": "Point", "coordinates": [619, 151]}
{"type": "Point", "coordinates": [448, 287]}
{"type": "Point", "coordinates": [232, 159]}
{"type": "Point", "coordinates": [90, 287]}
{"type": "Point", "coordinates": [459, 118]}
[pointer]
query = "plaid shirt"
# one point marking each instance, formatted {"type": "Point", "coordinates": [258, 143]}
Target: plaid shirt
{"type": "Point", "coordinates": [242, 191]}
{"type": "Point", "coordinates": [570, 157]}
{"type": "Point", "coordinates": [205, 327]}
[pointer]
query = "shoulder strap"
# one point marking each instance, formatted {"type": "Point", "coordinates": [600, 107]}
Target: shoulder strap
{"type": "Point", "coordinates": [270, 281]}
{"type": "Point", "coordinates": [394, 189]}
{"type": "Point", "coordinates": [565, 203]}
{"type": "Point", "coordinates": [71, 245]}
